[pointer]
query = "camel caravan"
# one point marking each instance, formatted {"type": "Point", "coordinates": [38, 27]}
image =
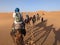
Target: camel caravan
{"type": "Point", "coordinates": [18, 31]}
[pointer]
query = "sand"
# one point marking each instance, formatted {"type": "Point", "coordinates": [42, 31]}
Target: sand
{"type": "Point", "coordinates": [6, 21]}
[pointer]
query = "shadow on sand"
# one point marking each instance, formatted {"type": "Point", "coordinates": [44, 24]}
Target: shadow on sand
{"type": "Point", "coordinates": [37, 31]}
{"type": "Point", "coordinates": [40, 25]}
{"type": "Point", "coordinates": [47, 30]}
{"type": "Point", "coordinates": [57, 36]}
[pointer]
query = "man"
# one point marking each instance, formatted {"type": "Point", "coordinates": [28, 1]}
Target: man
{"type": "Point", "coordinates": [34, 19]}
{"type": "Point", "coordinates": [38, 17]}
{"type": "Point", "coordinates": [18, 18]}
{"type": "Point", "coordinates": [27, 19]}
{"type": "Point", "coordinates": [18, 21]}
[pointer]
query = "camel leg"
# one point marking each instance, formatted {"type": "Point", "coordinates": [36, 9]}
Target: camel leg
{"type": "Point", "coordinates": [19, 39]}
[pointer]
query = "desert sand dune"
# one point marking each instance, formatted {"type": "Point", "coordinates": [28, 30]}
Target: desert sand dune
{"type": "Point", "coordinates": [43, 32]}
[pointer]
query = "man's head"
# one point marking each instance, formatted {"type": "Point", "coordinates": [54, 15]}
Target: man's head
{"type": "Point", "coordinates": [17, 10]}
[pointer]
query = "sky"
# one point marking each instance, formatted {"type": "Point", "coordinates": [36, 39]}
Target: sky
{"type": "Point", "coordinates": [29, 5]}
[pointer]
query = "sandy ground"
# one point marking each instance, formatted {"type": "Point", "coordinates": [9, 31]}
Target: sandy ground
{"type": "Point", "coordinates": [48, 37]}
